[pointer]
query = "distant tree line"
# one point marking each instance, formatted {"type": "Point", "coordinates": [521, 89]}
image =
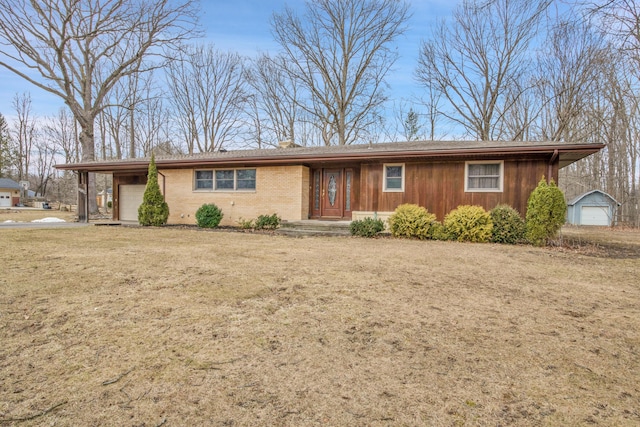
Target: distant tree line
{"type": "Point", "coordinates": [136, 80]}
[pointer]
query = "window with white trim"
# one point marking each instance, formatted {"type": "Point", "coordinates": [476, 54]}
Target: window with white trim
{"type": "Point", "coordinates": [483, 176]}
{"type": "Point", "coordinates": [394, 177]}
{"type": "Point", "coordinates": [225, 179]}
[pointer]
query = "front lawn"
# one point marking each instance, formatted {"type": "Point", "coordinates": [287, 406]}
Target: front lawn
{"type": "Point", "coordinates": [180, 326]}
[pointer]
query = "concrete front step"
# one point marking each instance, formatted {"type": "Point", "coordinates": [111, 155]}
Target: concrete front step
{"type": "Point", "coordinates": [315, 228]}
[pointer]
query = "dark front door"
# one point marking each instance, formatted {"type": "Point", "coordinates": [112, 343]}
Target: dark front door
{"type": "Point", "coordinates": [332, 193]}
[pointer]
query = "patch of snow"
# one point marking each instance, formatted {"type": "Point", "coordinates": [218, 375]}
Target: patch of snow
{"type": "Point", "coordinates": [9, 221]}
{"type": "Point", "coordinates": [49, 219]}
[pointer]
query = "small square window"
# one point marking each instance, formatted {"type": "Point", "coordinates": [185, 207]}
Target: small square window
{"type": "Point", "coordinates": [246, 179]}
{"type": "Point", "coordinates": [483, 176]}
{"type": "Point", "coordinates": [394, 178]}
{"type": "Point", "coordinates": [224, 180]}
{"type": "Point", "coordinates": [204, 180]}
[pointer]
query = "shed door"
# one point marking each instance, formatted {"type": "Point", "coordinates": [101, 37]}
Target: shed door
{"type": "Point", "coordinates": [129, 200]}
{"type": "Point", "coordinates": [595, 215]}
{"type": "Point", "coordinates": [5, 199]}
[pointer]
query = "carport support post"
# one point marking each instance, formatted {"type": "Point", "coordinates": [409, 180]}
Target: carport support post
{"type": "Point", "coordinates": [83, 196]}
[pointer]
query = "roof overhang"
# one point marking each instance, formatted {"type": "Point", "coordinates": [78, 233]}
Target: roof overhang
{"type": "Point", "coordinates": [565, 153]}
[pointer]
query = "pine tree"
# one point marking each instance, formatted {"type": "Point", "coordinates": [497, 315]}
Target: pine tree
{"type": "Point", "coordinates": [546, 211]}
{"type": "Point", "coordinates": [412, 126]}
{"type": "Point", "coordinates": [5, 148]}
{"type": "Point", "coordinates": [153, 210]}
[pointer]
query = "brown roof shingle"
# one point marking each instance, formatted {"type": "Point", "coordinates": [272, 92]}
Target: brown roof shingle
{"type": "Point", "coordinates": [568, 152]}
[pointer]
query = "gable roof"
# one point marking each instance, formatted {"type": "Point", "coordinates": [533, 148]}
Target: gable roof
{"type": "Point", "coordinates": [413, 150]}
{"type": "Point", "coordinates": [588, 193]}
{"type": "Point", "coordinates": [9, 183]}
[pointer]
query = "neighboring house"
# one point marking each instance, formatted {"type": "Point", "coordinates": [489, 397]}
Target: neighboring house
{"type": "Point", "coordinates": [338, 182]}
{"type": "Point", "coordinates": [104, 198]}
{"type": "Point", "coordinates": [9, 193]}
{"type": "Point", "coordinates": [593, 208]}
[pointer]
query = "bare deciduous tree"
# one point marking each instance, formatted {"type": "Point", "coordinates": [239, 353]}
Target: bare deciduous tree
{"type": "Point", "coordinates": [135, 119]}
{"type": "Point", "coordinates": [568, 68]}
{"type": "Point", "coordinates": [208, 90]}
{"type": "Point", "coordinates": [275, 101]}
{"type": "Point", "coordinates": [61, 131]}
{"type": "Point", "coordinates": [340, 52]}
{"type": "Point", "coordinates": [24, 133]}
{"type": "Point", "coordinates": [476, 57]}
{"type": "Point", "coordinates": [78, 50]}
{"type": "Point", "coordinates": [614, 107]}
{"type": "Point", "coordinates": [42, 170]}
{"type": "Point", "coordinates": [620, 19]}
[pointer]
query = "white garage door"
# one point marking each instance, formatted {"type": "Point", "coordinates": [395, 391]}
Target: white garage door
{"type": "Point", "coordinates": [5, 199]}
{"type": "Point", "coordinates": [129, 200]}
{"type": "Point", "coordinates": [595, 215]}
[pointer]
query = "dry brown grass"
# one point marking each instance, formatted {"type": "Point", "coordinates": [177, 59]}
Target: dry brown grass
{"type": "Point", "coordinates": [28, 215]}
{"type": "Point", "coordinates": [617, 238]}
{"type": "Point", "coordinates": [131, 326]}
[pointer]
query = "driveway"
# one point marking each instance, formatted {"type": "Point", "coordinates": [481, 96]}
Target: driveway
{"type": "Point", "coordinates": [7, 225]}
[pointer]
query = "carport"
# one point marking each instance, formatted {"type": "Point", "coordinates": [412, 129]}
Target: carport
{"type": "Point", "coordinates": [128, 188]}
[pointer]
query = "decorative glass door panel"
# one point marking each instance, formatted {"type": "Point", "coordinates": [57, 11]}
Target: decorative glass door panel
{"type": "Point", "coordinates": [332, 193]}
{"type": "Point", "coordinates": [316, 193]}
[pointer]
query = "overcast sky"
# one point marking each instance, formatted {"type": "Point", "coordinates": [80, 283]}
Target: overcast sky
{"type": "Point", "coordinates": [243, 26]}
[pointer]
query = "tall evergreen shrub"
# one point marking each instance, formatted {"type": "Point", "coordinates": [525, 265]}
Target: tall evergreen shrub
{"type": "Point", "coordinates": [153, 210]}
{"type": "Point", "coordinates": [546, 211]}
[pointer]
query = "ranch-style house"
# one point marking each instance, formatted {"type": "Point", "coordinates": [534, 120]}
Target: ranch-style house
{"type": "Point", "coordinates": [337, 182]}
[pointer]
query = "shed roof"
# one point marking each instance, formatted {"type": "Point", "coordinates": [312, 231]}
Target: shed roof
{"type": "Point", "coordinates": [588, 193]}
{"type": "Point", "coordinates": [567, 153]}
{"type": "Point", "coordinates": [9, 183]}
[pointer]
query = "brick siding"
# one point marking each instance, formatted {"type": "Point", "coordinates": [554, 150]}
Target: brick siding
{"type": "Point", "coordinates": [283, 190]}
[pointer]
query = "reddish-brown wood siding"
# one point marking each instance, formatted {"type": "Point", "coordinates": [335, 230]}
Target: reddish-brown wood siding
{"type": "Point", "coordinates": [440, 186]}
{"type": "Point", "coordinates": [355, 189]}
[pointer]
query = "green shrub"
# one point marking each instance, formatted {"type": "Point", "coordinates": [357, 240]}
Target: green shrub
{"type": "Point", "coordinates": [508, 225]}
{"type": "Point", "coordinates": [468, 224]}
{"type": "Point", "coordinates": [245, 224]}
{"type": "Point", "coordinates": [546, 210]}
{"type": "Point", "coordinates": [367, 227]}
{"type": "Point", "coordinates": [438, 232]}
{"type": "Point", "coordinates": [267, 222]}
{"type": "Point", "coordinates": [153, 210]}
{"type": "Point", "coordinates": [109, 204]}
{"type": "Point", "coordinates": [411, 221]}
{"type": "Point", "coordinates": [209, 216]}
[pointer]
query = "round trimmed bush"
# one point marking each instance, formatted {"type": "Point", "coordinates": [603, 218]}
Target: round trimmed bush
{"type": "Point", "coordinates": [469, 223]}
{"type": "Point", "coordinates": [546, 209]}
{"type": "Point", "coordinates": [412, 221]}
{"type": "Point", "coordinates": [508, 225]}
{"type": "Point", "coordinates": [208, 216]}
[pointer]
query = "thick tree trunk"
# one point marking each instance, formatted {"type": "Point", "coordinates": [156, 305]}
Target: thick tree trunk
{"type": "Point", "coordinates": [89, 155]}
